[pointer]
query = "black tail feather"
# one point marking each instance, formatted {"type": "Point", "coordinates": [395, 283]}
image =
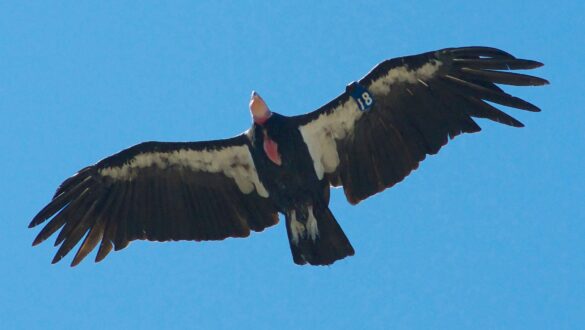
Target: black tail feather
{"type": "Point", "coordinates": [323, 247]}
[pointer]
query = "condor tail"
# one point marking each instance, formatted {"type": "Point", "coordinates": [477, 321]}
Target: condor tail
{"type": "Point", "coordinates": [315, 237]}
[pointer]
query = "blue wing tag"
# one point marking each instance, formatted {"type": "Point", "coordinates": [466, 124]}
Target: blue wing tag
{"type": "Point", "coordinates": [361, 95]}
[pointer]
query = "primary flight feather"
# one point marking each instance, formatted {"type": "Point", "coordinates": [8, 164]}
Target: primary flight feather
{"type": "Point", "coordinates": [367, 139]}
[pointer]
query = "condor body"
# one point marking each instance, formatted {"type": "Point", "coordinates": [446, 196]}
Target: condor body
{"type": "Point", "coordinates": [367, 139]}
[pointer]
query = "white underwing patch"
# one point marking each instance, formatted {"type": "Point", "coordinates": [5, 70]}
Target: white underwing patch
{"type": "Point", "coordinates": [234, 162]}
{"type": "Point", "coordinates": [403, 74]}
{"type": "Point", "coordinates": [320, 135]}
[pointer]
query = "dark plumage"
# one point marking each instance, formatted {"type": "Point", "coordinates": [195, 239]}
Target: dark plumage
{"type": "Point", "coordinates": [366, 140]}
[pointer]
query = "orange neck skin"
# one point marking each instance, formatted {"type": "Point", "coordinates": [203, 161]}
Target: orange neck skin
{"type": "Point", "coordinates": [271, 150]}
{"type": "Point", "coordinates": [263, 119]}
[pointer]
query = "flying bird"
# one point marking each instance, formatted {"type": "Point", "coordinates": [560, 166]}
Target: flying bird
{"type": "Point", "coordinates": [366, 140]}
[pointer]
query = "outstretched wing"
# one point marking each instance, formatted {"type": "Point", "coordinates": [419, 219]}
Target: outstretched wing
{"type": "Point", "coordinates": [160, 192]}
{"type": "Point", "coordinates": [406, 108]}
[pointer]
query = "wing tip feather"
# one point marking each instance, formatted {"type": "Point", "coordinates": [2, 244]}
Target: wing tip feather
{"type": "Point", "coordinates": [76, 260]}
{"type": "Point", "coordinates": [56, 258]}
{"type": "Point", "coordinates": [103, 251]}
{"type": "Point", "coordinates": [38, 240]}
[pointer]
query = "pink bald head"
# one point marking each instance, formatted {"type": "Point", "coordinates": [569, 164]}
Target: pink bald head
{"type": "Point", "coordinates": [259, 109]}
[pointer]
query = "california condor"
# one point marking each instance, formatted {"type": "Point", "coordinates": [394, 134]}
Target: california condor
{"type": "Point", "coordinates": [367, 139]}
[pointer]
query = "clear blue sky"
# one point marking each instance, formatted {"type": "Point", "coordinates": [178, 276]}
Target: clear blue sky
{"type": "Point", "coordinates": [490, 233]}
